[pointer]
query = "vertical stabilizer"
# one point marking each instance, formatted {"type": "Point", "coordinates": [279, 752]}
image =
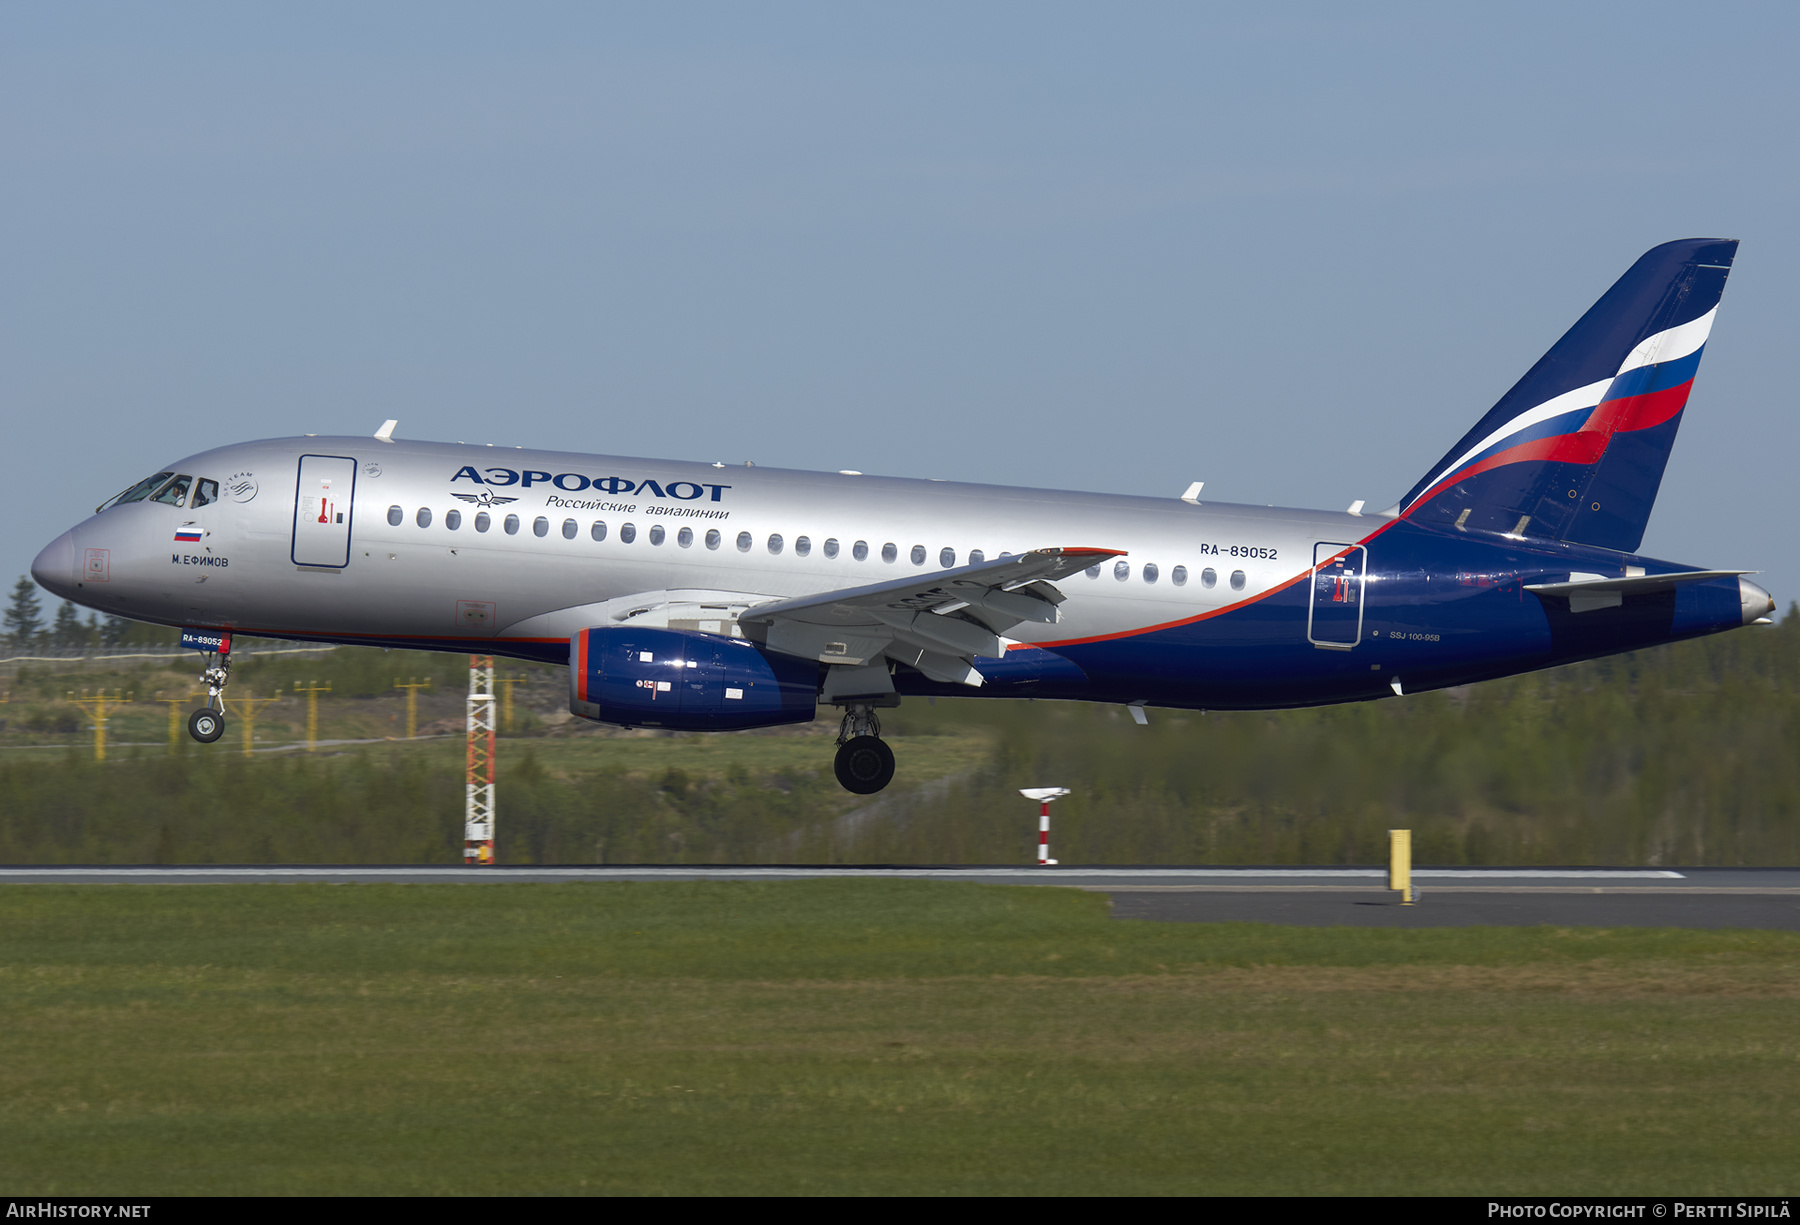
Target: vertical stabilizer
{"type": "Point", "coordinates": [1576, 450]}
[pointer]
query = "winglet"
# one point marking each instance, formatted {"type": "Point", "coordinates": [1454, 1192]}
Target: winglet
{"type": "Point", "coordinates": [386, 432]}
{"type": "Point", "coordinates": [1193, 492]}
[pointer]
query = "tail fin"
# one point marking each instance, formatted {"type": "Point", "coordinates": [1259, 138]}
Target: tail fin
{"type": "Point", "coordinates": [1576, 450]}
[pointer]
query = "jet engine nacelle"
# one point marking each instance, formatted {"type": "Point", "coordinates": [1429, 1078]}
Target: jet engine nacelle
{"type": "Point", "coordinates": [685, 680]}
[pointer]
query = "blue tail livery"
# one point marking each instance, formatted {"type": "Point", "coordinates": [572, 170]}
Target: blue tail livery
{"type": "Point", "coordinates": [1576, 450]}
{"type": "Point", "coordinates": [694, 597]}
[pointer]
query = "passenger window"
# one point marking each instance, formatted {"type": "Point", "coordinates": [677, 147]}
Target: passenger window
{"type": "Point", "coordinates": [570, 527]}
{"type": "Point", "coordinates": [482, 522]}
{"type": "Point", "coordinates": [947, 558]}
{"type": "Point", "coordinates": [1093, 571]}
{"type": "Point", "coordinates": [889, 552]}
{"type": "Point", "coordinates": [775, 542]}
{"type": "Point", "coordinates": [656, 533]}
{"type": "Point", "coordinates": [1150, 572]}
{"type": "Point", "coordinates": [713, 538]}
{"type": "Point", "coordinates": [802, 545]}
{"type": "Point", "coordinates": [685, 537]}
{"type": "Point", "coordinates": [396, 516]}
{"type": "Point", "coordinates": [1237, 580]}
{"type": "Point", "coordinates": [423, 518]}
{"type": "Point", "coordinates": [206, 493]}
{"type": "Point", "coordinates": [831, 548]}
{"type": "Point", "coordinates": [598, 530]}
{"type": "Point", "coordinates": [1209, 577]}
{"type": "Point", "coordinates": [453, 519]}
{"type": "Point", "coordinates": [744, 542]}
{"type": "Point", "coordinates": [976, 557]}
{"type": "Point", "coordinates": [175, 492]}
{"type": "Point", "coordinates": [540, 526]}
{"type": "Point", "coordinates": [511, 525]}
{"type": "Point", "coordinates": [1178, 576]}
{"type": "Point", "coordinates": [137, 493]}
{"type": "Point", "coordinates": [918, 555]}
{"type": "Point", "coordinates": [627, 533]}
{"type": "Point", "coordinates": [1121, 570]}
{"type": "Point", "coordinates": [860, 550]}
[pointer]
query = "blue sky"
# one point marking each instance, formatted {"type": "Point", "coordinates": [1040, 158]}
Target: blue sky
{"type": "Point", "coordinates": [1294, 252]}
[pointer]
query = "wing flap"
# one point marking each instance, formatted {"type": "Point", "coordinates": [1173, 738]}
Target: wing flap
{"type": "Point", "coordinates": [938, 622]}
{"type": "Point", "coordinates": [966, 584]}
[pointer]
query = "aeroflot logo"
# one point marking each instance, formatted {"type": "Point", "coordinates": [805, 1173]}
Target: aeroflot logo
{"type": "Point", "coordinates": [575, 482]}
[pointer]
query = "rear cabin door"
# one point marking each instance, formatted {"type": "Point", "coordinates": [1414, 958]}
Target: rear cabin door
{"type": "Point", "coordinates": [322, 503]}
{"type": "Point", "coordinates": [1334, 620]}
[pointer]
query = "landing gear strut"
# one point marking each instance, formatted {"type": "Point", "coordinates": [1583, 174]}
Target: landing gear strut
{"type": "Point", "coordinates": [208, 723]}
{"type": "Point", "coordinates": [864, 763]}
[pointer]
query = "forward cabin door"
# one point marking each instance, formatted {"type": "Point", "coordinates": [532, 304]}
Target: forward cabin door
{"type": "Point", "coordinates": [1334, 619]}
{"type": "Point", "coordinates": [322, 502]}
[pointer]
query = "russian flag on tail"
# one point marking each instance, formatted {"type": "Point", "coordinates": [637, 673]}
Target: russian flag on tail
{"type": "Point", "coordinates": [1576, 450]}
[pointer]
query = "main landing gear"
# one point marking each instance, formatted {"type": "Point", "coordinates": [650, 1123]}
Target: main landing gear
{"type": "Point", "coordinates": [208, 723]}
{"type": "Point", "coordinates": [864, 763]}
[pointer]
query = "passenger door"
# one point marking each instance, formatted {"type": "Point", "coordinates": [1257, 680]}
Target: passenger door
{"type": "Point", "coordinates": [323, 499]}
{"type": "Point", "coordinates": [1334, 617]}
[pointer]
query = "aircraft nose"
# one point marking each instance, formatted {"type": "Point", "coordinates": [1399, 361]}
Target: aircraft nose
{"type": "Point", "coordinates": [54, 569]}
{"type": "Point", "coordinates": [1756, 602]}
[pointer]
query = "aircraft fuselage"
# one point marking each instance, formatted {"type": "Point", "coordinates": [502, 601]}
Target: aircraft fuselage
{"type": "Point", "coordinates": [509, 551]}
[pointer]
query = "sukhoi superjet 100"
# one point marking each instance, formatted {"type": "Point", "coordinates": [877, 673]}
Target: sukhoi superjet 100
{"type": "Point", "coordinates": [700, 597]}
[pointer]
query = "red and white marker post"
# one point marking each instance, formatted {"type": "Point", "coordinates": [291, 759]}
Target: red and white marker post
{"type": "Point", "coordinates": [1043, 795]}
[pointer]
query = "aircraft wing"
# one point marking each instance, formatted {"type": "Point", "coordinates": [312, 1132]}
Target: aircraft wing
{"type": "Point", "coordinates": [935, 622]}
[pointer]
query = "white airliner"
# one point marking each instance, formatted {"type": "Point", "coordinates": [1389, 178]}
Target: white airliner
{"type": "Point", "coordinates": [705, 597]}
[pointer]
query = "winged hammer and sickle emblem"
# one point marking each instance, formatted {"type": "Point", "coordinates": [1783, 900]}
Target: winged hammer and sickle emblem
{"type": "Point", "coordinates": [484, 498]}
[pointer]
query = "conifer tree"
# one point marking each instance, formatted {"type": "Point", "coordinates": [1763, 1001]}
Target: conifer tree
{"type": "Point", "coordinates": [24, 621]}
{"type": "Point", "coordinates": [67, 631]}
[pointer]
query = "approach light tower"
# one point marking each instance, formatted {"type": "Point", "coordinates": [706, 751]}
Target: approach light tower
{"type": "Point", "coordinates": [478, 803]}
{"type": "Point", "coordinates": [1043, 795]}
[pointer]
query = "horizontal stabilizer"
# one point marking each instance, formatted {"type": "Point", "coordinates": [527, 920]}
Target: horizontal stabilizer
{"type": "Point", "coordinates": [1590, 592]}
{"type": "Point", "coordinates": [1635, 584]}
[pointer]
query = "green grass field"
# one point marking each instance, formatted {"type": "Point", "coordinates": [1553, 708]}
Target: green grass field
{"type": "Point", "coordinates": [874, 1037]}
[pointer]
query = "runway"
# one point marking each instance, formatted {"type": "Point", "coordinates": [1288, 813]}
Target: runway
{"type": "Point", "coordinates": [1766, 898]}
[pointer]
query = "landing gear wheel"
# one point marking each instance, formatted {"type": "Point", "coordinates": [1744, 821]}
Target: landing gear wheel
{"type": "Point", "coordinates": [206, 726]}
{"type": "Point", "coordinates": [864, 765]}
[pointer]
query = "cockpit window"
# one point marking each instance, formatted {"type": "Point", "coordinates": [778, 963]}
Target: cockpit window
{"type": "Point", "coordinates": [205, 492]}
{"type": "Point", "coordinates": [175, 492]}
{"type": "Point", "coordinates": [137, 493]}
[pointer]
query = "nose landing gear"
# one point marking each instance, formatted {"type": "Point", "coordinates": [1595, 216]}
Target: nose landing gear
{"type": "Point", "coordinates": [208, 723]}
{"type": "Point", "coordinates": [206, 726]}
{"type": "Point", "coordinates": [864, 763]}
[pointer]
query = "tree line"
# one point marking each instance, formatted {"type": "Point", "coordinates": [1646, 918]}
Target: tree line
{"type": "Point", "coordinates": [22, 625]}
{"type": "Point", "coordinates": [1687, 754]}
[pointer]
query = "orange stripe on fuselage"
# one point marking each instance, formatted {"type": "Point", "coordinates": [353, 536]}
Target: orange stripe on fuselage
{"type": "Point", "coordinates": [1205, 616]}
